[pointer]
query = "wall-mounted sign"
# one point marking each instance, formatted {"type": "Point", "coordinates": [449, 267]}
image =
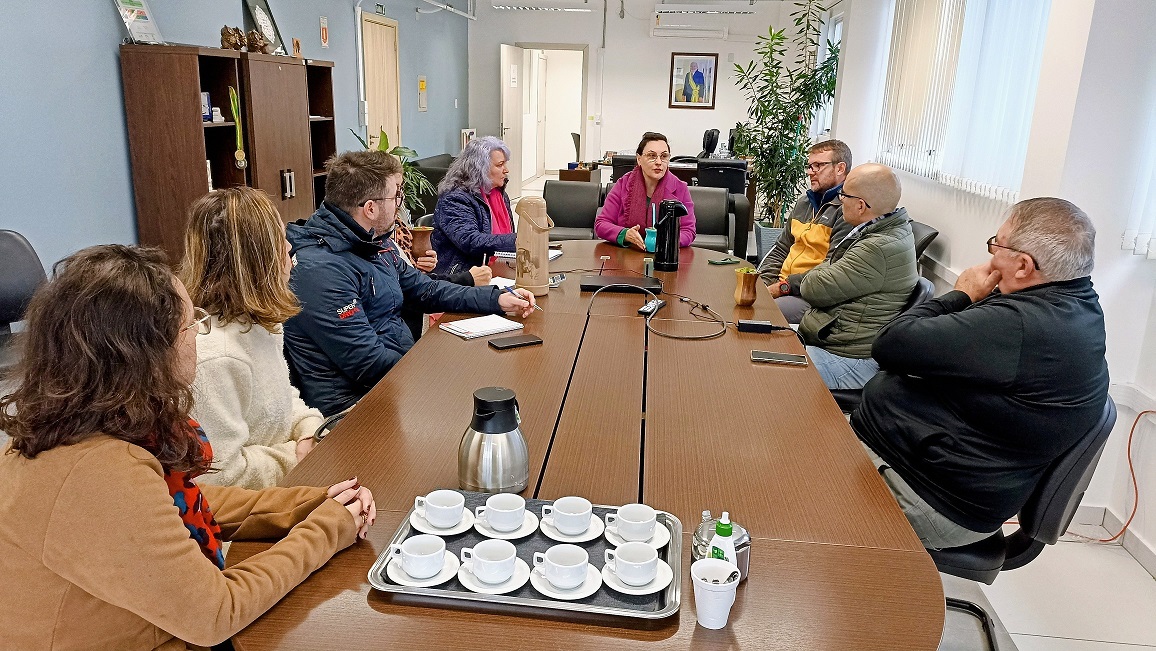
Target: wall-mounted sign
{"type": "Point", "coordinates": [324, 32]}
{"type": "Point", "coordinates": [421, 96]}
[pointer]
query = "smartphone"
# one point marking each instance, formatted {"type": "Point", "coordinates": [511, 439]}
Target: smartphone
{"type": "Point", "coordinates": [778, 358]}
{"type": "Point", "coordinates": [517, 341]}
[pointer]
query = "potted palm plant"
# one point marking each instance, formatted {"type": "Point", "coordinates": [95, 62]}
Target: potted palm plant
{"type": "Point", "coordinates": [783, 98]}
{"type": "Point", "coordinates": [414, 183]}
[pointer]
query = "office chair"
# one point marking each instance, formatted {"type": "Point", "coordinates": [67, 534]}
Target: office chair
{"type": "Point", "coordinates": [1042, 520]}
{"type": "Point", "coordinates": [572, 205]}
{"type": "Point", "coordinates": [577, 146]}
{"type": "Point", "coordinates": [849, 399]}
{"type": "Point", "coordinates": [620, 164]}
{"type": "Point", "coordinates": [20, 275]}
{"type": "Point", "coordinates": [709, 143]}
{"type": "Point", "coordinates": [924, 235]}
{"type": "Point", "coordinates": [729, 173]}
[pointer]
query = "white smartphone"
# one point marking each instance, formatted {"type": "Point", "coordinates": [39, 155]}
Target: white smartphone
{"type": "Point", "coordinates": [778, 358]}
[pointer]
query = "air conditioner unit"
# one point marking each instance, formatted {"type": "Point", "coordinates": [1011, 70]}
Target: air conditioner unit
{"type": "Point", "coordinates": [543, 5]}
{"type": "Point", "coordinates": [725, 7]}
{"type": "Point", "coordinates": [688, 31]}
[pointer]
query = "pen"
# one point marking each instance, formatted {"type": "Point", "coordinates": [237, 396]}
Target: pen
{"type": "Point", "coordinates": [511, 290]}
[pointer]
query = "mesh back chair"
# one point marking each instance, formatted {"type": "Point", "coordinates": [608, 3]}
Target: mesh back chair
{"type": "Point", "coordinates": [21, 274]}
{"type": "Point", "coordinates": [848, 399]}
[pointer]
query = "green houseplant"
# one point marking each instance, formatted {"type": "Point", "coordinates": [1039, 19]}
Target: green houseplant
{"type": "Point", "coordinates": [414, 183]}
{"type": "Point", "coordinates": [783, 98]}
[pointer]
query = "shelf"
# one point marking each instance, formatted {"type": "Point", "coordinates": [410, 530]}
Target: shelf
{"type": "Point", "coordinates": [317, 119]}
{"type": "Point", "coordinates": [208, 125]}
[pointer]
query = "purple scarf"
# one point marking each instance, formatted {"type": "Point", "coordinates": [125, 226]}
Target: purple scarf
{"type": "Point", "coordinates": [634, 210]}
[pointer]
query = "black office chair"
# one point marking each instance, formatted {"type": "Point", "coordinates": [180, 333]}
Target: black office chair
{"type": "Point", "coordinates": [849, 399]}
{"type": "Point", "coordinates": [729, 173]}
{"type": "Point", "coordinates": [572, 205]}
{"type": "Point", "coordinates": [923, 235]}
{"type": "Point", "coordinates": [20, 275]}
{"type": "Point", "coordinates": [709, 144]}
{"type": "Point", "coordinates": [1042, 520]}
{"type": "Point", "coordinates": [620, 164]}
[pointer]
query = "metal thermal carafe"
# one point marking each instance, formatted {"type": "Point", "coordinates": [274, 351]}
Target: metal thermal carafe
{"type": "Point", "coordinates": [742, 539]}
{"type": "Point", "coordinates": [670, 214]}
{"type": "Point", "coordinates": [492, 457]}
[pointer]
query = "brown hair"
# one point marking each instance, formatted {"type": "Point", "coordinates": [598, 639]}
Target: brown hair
{"type": "Point", "coordinates": [842, 153]}
{"type": "Point", "coordinates": [232, 264]}
{"type": "Point", "coordinates": [649, 137]}
{"type": "Point", "coordinates": [354, 177]}
{"type": "Point", "coordinates": [99, 358]}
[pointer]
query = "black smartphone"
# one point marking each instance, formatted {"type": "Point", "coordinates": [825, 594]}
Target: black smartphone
{"type": "Point", "coordinates": [517, 341]}
{"type": "Point", "coordinates": [778, 358]}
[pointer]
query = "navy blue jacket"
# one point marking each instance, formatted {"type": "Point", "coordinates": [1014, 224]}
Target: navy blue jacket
{"type": "Point", "coordinates": [350, 330]}
{"type": "Point", "coordinates": [462, 234]}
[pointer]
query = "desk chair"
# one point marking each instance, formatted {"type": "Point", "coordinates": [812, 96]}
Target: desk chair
{"type": "Point", "coordinates": [621, 164]}
{"type": "Point", "coordinates": [21, 274]}
{"type": "Point", "coordinates": [572, 205]}
{"type": "Point", "coordinates": [709, 144]}
{"type": "Point", "coordinates": [849, 399]}
{"type": "Point", "coordinates": [1042, 520]}
{"type": "Point", "coordinates": [729, 173]}
{"type": "Point", "coordinates": [714, 219]}
{"type": "Point", "coordinates": [923, 234]}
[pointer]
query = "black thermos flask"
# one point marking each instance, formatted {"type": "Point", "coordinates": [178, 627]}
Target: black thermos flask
{"type": "Point", "coordinates": [670, 213]}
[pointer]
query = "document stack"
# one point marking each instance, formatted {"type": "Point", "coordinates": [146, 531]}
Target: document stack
{"type": "Point", "coordinates": [481, 326]}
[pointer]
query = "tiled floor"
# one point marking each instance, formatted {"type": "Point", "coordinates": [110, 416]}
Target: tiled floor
{"type": "Point", "coordinates": [1078, 596]}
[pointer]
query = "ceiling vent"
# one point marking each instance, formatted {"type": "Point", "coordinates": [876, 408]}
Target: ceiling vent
{"type": "Point", "coordinates": [688, 31]}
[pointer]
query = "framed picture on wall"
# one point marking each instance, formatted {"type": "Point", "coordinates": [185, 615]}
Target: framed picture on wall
{"type": "Point", "coordinates": [692, 80]}
{"type": "Point", "coordinates": [261, 19]}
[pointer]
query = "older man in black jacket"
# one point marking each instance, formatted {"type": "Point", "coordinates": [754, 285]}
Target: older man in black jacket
{"type": "Point", "coordinates": [981, 390]}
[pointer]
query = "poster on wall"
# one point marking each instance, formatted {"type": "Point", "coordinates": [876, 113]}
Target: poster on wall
{"type": "Point", "coordinates": [262, 20]}
{"type": "Point", "coordinates": [692, 80]}
{"type": "Point", "coordinates": [139, 20]}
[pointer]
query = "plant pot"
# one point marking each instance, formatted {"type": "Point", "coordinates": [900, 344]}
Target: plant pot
{"type": "Point", "coordinates": [421, 240]}
{"type": "Point", "coordinates": [745, 287]}
{"type": "Point", "coordinates": [765, 238]}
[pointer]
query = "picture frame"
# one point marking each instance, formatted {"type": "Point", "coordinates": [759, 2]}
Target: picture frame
{"type": "Point", "coordinates": [139, 21]}
{"type": "Point", "coordinates": [693, 80]}
{"type": "Point", "coordinates": [260, 18]}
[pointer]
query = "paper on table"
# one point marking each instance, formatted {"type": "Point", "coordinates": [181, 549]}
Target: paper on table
{"type": "Point", "coordinates": [481, 326]}
{"type": "Point", "coordinates": [510, 255]}
{"type": "Point", "coordinates": [498, 281]}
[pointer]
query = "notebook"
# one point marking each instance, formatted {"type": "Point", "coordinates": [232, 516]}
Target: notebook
{"type": "Point", "coordinates": [510, 255]}
{"type": "Point", "coordinates": [481, 326]}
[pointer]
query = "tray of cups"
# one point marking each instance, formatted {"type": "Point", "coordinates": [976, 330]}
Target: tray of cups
{"type": "Point", "coordinates": [565, 554]}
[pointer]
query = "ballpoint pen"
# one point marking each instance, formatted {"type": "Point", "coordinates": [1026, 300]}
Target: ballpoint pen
{"type": "Point", "coordinates": [511, 290]}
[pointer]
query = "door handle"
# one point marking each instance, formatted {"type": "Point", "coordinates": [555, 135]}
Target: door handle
{"type": "Point", "coordinates": [292, 183]}
{"type": "Point", "coordinates": [285, 194]}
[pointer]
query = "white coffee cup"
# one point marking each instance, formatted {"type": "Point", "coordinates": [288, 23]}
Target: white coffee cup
{"type": "Point", "coordinates": [569, 515]}
{"type": "Point", "coordinates": [564, 566]}
{"type": "Point", "coordinates": [490, 561]}
{"type": "Point", "coordinates": [713, 601]}
{"type": "Point", "coordinates": [442, 509]}
{"type": "Point", "coordinates": [503, 512]}
{"type": "Point", "coordinates": [421, 556]}
{"type": "Point", "coordinates": [632, 522]}
{"type": "Point", "coordinates": [634, 563]}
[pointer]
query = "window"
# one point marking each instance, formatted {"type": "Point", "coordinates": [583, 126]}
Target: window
{"type": "Point", "coordinates": [832, 35]}
{"type": "Point", "coordinates": [960, 91]}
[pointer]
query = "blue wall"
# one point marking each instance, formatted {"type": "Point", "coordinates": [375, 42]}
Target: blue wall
{"type": "Point", "coordinates": [65, 175]}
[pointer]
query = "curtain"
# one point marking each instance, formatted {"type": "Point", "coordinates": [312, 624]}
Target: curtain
{"type": "Point", "coordinates": [1138, 236]}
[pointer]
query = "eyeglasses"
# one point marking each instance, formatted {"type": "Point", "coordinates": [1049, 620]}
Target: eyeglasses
{"type": "Point", "coordinates": [201, 322]}
{"type": "Point", "coordinates": [398, 198]}
{"type": "Point", "coordinates": [815, 167]}
{"type": "Point", "coordinates": [652, 157]}
{"type": "Point", "coordinates": [991, 243]}
{"type": "Point", "coordinates": [851, 196]}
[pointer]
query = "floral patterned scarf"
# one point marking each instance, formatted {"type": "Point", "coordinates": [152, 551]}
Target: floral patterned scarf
{"type": "Point", "coordinates": [191, 504]}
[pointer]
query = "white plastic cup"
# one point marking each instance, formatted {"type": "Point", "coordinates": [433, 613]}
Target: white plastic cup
{"type": "Point", "coordinates": [713, 601]}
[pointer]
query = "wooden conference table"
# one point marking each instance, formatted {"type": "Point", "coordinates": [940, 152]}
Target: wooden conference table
{"type": "Point", "coordinates": [618, 415]}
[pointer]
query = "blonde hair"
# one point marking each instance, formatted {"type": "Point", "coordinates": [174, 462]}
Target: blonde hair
{"type": "Point", "coordinates": [232, 263]}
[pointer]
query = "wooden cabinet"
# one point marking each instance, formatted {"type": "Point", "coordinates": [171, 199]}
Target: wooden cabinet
{"type": "Point", "coordinates": [177, 157]}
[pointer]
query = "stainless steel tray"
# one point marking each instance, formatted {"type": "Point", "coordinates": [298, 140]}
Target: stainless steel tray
{"type": "Point", "coordinates": [604, 602]}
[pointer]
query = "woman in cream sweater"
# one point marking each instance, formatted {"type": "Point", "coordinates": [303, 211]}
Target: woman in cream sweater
{"type": "Point", "coordinates": [236, 268]}
{"type": "Point", "coordinates": [106, 539]}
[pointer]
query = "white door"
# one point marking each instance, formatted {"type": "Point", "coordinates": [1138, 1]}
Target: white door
{"type": "Point", "coordinates": [511, 115]}
{"type": "Point", "coordinates": [540, 140]}
{"type": "Point", "coordinates": [382, 85]}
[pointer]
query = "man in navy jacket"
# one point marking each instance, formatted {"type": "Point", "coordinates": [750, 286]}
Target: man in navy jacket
{"type": "Point", "coordinates": [982, 390]}
{"type": "Point", "coordinates": [352, 285]}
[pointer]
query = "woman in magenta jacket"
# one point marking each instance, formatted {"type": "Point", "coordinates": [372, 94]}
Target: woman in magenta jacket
{"type": "Point", "coordinates": [627, 210]}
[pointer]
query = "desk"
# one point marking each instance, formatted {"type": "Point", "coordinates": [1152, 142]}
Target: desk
{"type": "Point", "coordinates": [834, 564]}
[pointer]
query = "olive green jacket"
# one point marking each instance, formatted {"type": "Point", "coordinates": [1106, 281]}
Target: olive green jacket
{"type": "Point", "coordinates": [863, 284]}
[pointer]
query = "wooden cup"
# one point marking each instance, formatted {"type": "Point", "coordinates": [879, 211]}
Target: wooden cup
{"type": "Point", "coordinates": [421, 240]}
{"type": "Point", "coordinates": [745, 287]}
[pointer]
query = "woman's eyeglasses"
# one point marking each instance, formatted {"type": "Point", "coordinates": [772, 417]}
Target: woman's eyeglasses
{"type": "Point", "coordinates": [991, 243]}
{"type": "Point", "coordinates": [201, 322]}
{"type": "Point", "coordinates": [652, 157]}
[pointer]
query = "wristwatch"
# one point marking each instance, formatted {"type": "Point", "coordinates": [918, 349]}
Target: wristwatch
{"type": "Point", "coordinates": [784, 288]}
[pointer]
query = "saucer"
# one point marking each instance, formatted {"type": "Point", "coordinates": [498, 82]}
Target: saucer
{"type": "Point", "coordinates": [398, 575]}
{"type": "Point", "coordinates": [529, 526]}
{"type": "Point", "coordinates": [596, 528]}
{"type": "Point", "coordinates": [589, 586]}
{"type": "Point", "coordinates": [521, 575]}
{"type": "Point", "coordinates": [423, 525]}
{"type": "Point", "coordinates": [660, 539]}
{"type": "Point", "coordinates": [662, 579]}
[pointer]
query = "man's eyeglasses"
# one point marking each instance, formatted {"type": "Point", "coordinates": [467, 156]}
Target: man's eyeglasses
{"type": "Point", "coordinates": [991, 243]}
{"type": "Point", "coordinates": [851, 196]}
{"type": "Point", "coordinates": [398, 198]}
{"type": "Point", "coordinates": [201, 322]}
{"type": "Point", "coordinates": [653, 157]}
{"type": "Point", "coordinates": [815, 167]}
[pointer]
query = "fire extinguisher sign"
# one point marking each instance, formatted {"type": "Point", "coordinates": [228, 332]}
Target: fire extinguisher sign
{"type": "Point", "coordinates": [324, 32]}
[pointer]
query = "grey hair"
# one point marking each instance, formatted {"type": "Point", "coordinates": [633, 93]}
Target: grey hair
{"type": "Point", "coordinates": [1057, 234]}
{"type": "Point", "coordinates": [471, 169]}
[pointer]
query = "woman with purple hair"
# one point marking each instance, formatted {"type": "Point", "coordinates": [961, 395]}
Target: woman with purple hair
{"type": "Point", "coordinates": [473, 217]}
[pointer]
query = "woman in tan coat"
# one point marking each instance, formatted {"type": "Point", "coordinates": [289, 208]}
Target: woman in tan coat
{"type": "Point", "coordinates": [106, 540]}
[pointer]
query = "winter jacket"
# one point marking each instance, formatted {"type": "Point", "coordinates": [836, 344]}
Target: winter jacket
{"type": "Point", "coordinates": [350, 330]}
{"type": "Point", "coordinates": [866, 282]}
{"type": "Point", "coordinates": [813, 225]}
{"type": "Point", "coordinates": [611, 220]}
{"type": "Point", "coordinates": [463, 235]}
{"type": "Point", "coordinates": [975, 400]}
